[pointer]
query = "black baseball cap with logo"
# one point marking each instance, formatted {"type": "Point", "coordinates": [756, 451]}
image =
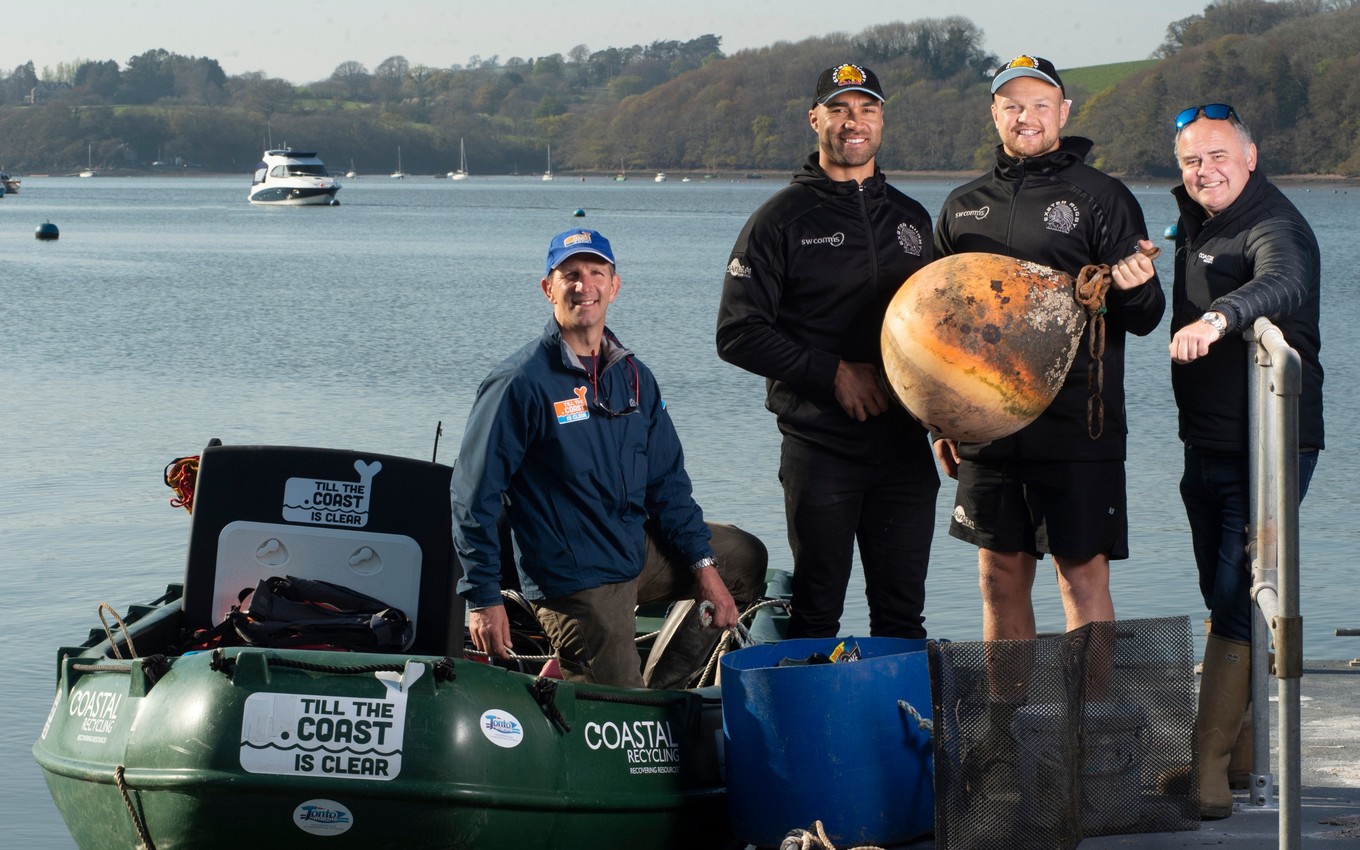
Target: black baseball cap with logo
{"type": "Point", "coordinates": [844, 78]}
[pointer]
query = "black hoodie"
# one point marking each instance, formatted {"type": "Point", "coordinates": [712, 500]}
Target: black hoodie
{"type": "Point", "coordinates": [808, 284]}
{"type": "Point", "coordinates": [1056, 210]}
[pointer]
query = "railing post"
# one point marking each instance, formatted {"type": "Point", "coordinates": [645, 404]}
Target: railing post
{"type": "Point", "coordinates": [1276, 380]}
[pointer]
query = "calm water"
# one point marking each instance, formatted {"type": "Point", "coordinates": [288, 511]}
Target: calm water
{"type": "Point", "coordinates": [171, 312]}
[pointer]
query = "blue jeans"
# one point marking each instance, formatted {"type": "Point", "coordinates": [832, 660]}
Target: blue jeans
{"type": "Point", "coordinates": [1217, 492]}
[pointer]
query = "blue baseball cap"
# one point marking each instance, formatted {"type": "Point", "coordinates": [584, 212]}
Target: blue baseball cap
{"type": "Point", "coordinates": [573, 242]}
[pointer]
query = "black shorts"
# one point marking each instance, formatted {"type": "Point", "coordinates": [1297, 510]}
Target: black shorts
{"type": "Point", "coordinates": [1074, 511]}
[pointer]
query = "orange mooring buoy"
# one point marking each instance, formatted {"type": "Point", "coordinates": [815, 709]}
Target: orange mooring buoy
{"type": "Point", "coordinates": [976, 346]}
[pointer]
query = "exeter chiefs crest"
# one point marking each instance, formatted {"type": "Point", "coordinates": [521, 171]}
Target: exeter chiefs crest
{"type": "Point", "coordinates": [849, 75]}
{"type": "Point", "coordinates": [909, 238]}
{"type": "Point", "coordinates": [1062, 216]}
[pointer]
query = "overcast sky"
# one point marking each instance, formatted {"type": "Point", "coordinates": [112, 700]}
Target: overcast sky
{"type": "Point", "coordinates": [304, 40]}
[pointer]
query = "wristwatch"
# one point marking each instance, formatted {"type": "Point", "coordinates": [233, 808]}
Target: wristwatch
{"type": "Point", "coordinates": [702, 564]}
{"type": "Point", "coordinates": [1216, 320]}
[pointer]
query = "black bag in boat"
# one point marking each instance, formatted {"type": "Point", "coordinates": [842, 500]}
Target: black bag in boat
{"type": "Point", "coordinates": [309, 613]}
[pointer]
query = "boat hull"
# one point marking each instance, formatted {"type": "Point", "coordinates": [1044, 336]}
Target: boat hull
{"type": "Point", "coordinates": [295, 196]}
{"type": "Point", "coordinates": [424, 753]}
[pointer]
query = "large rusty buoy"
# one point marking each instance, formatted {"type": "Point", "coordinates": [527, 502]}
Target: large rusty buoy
{"type": "Point", "coordinates": [976, 346]}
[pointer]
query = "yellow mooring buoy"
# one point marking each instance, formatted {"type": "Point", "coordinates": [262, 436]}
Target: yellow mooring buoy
{"type": "Point", "coordinates": [976, 346]}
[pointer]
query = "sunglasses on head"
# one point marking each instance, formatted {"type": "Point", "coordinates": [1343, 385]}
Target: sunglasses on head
{"type": "Point", "coordinates": [1212, 111]}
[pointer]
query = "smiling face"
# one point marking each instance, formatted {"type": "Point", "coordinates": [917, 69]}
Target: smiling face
{"type": "Point", "coordinates": [581, 289]}
{"type": "Point", "coordinates": [1215, 161]}
{"type": "Point", "coordinates": [1028, 114]}
{"type": "Point", "coordinates": [849, 129]}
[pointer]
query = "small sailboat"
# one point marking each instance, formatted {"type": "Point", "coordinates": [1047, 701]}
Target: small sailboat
{"type": "Point", "coordinates": [351, 174]}
{"type": "Point", "coordinates": [89, 160]}
{"type": "Point", "coordinates": [399, 174]}
{"type": "Point", "coordinates": [462, 172]}
{"type": "Point", "coordinates": [548, 175]}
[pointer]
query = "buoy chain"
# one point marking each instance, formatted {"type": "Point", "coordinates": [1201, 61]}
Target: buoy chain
{"type": "Point", "coordinates": [1093, 282]}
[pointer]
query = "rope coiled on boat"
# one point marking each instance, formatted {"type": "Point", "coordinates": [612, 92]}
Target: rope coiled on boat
{"type": "Point", "coordinates": [815, 839]}
{"type": "Point", "coordinates": [181, 475]}
{"type": "Point", "coordinates": [544, 692]}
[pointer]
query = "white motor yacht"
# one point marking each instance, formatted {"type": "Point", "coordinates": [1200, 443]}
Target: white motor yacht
{"type": "Point", "coordinates": [293, 178]}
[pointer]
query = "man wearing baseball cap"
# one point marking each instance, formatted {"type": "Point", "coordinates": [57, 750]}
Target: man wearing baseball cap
{"type": "Point", "coordinates": [571, 439]}
{"type": "Point", "coordinates": [1057, 486]}
{"type": "Point", "coordinates": [807, 286]}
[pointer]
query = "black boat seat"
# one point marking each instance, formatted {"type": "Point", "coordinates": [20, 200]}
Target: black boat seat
{"type": "Point", "coordinates": [378, 524]}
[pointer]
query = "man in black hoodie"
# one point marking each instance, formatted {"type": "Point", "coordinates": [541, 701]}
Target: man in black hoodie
{"type": "Point", "coordinates": [1242, 251]}
{"type": "Point", "coordinates": [1051, 488]}
{"type": "Point", "coordinates": [807, 287]}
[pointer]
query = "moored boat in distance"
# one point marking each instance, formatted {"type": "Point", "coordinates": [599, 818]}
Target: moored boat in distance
{"type": "Point", "coordinates": [10, 184]}
{"type": "Point", "coordinates": [462, 172]}
{"type": "Point", "coordinates": [660, 177]}
{"type": "Point", "coordinates": [293, 178]}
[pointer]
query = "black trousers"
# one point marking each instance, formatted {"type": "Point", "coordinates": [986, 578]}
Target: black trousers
{"type": "Point", "coordinates": [886, 507]}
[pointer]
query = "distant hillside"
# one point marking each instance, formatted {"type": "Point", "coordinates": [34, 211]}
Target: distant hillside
{"type": "Point", "coordinates": [1296, 84]}
{"type": "Point", "coordinates": [1097, 78]}
{"type": "Point", "coordinates": [1292, 69]}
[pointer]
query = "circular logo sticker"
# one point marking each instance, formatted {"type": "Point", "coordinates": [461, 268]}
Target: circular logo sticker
{"type": "Point", "coordinates": [322, 817]}
{"type": "Point", "coordinates": [501, 728]}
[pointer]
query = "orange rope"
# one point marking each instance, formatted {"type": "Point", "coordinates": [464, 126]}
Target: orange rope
{"type": "Point", "coordinates": [181, 474]}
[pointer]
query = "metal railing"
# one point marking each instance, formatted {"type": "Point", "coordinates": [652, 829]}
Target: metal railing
{"type": "Point", "coordinates": [1273, 387]}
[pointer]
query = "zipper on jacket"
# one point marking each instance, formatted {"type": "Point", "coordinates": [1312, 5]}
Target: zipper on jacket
{"type": "Point", "coordinates": [1010, 213]}
{"type": "Point", "coordinates": [868, 228]}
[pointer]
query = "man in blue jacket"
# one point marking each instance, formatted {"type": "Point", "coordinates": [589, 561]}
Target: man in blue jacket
{"type": "Point", "coordinates": [570, 437]}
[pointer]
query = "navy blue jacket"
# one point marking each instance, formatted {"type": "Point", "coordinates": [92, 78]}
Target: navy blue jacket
{"type": "Point", "coordinates": [1257, 258]}
{"type": "Point", "coordinates": [579, 461]}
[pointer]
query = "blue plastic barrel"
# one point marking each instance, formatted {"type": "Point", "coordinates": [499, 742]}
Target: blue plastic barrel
{"type": "Point", "coordinates": [828, 742]}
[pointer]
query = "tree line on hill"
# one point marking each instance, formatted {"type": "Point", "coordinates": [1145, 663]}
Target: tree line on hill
{"type": "Point", "coordinates": [1291, 68]}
